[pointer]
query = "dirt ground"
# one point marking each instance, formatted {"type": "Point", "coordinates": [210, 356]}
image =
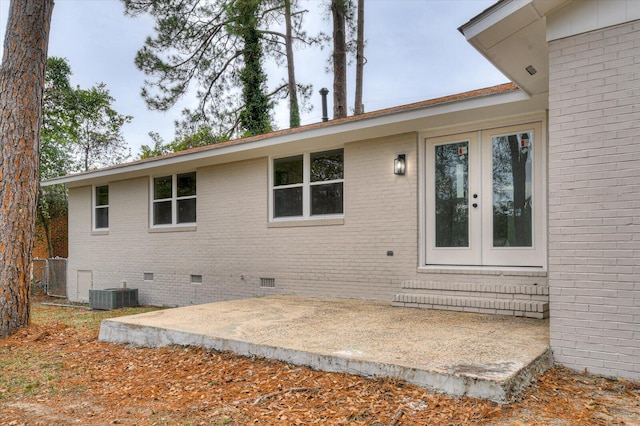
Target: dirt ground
{"type": "Point", "coordinates": [56, 372]}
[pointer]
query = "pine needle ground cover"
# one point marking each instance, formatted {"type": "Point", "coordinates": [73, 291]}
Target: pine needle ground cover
{"type": "Point", "coordinates": [56, 372]}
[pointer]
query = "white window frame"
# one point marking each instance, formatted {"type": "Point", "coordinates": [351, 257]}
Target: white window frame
{"type": "Point", "coordinates": [174, 201]}
{"type": "Point", "coordinates": [306, 188]}
{"type": "Point", "coordinates": [95, 206]}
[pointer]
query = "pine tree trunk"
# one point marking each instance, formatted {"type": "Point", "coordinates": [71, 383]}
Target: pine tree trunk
{"type": "Point", "coordinates": [294, 109]}
{"type": "Point", "coordinates": [359, 107]}
{"type": "Point", "coordinates": [22, 78]}
{"type": "Point", "coordinates": [338, 11]}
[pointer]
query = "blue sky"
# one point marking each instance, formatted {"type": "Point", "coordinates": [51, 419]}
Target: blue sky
{"type": "Point", "coordinates": [414, 52]}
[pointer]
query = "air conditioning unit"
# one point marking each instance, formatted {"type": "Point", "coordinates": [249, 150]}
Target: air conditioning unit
{"type": "Point", "coordinates": [113, 298]}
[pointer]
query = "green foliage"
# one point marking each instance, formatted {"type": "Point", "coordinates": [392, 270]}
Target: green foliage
{"type": "Point", "coordinates": [215, 49]}
{"type": "Point", "coordinates": [80, 131]}
{"type": "Point", "coordinates": [203, 136]}
{"type": "Point", "coordinates": [97, 129]}
{"type": "Point", "coordinates": [57, 127]}
{"type": "Point", "coordinates": [254, 117]}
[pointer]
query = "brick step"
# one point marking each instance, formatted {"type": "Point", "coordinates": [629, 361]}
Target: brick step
{"type": "Point", "coordinates": [497, 288]}
{"type": "Point", "coordinates": [512, 307]}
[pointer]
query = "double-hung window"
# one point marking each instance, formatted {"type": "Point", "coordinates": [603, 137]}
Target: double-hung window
{"type": "Point", "coordinates": [308, 185]}
{"type": "Point", "coordinates": [174, 199]}
{"type": "Point", "coordinates": [101, 207]}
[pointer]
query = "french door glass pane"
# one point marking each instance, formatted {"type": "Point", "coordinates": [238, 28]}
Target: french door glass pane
{"type": "Point", "coordinates": [451, 191]}
{"type": "Point", "coordinates": [512, 190]}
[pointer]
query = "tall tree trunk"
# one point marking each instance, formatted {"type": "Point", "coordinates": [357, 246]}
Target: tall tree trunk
{"type": "Point", "coordinates": [254, 118]}
{"type": "Point", "coordinates": [338, 12]}
{"type": "Point", "coordinates": [294, 108]}
{"type": "Point", "coordinates": [359, 107]}
{"type": "Point", "coordinates": [22, 76]}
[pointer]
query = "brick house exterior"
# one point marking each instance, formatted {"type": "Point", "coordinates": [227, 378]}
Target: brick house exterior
{"type": "Point", "coordinates": [573, 111]}
{"type": "Point", "coordinates": [594, 200]}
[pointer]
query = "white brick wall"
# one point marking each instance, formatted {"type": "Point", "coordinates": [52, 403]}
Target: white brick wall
{"type": "Point", "coordinates": [233, 247]}
{"type": "Point", "coordinates": [594, 201]}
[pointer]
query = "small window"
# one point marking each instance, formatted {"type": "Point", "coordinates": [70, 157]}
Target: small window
{"type": "Point", "coordinates": [308, 185]}
{"type": "Point", "coordinates": [174, 199]}
{"type": "Point", "coordinates": [148, 276]}
{"type": "Point", "coordinates": [101, 207]}
{"type": "Point", "coordinates": [196, 279]}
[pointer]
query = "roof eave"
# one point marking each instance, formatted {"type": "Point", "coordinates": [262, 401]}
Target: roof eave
{"type": "Point", "coordinates": [376, 124]}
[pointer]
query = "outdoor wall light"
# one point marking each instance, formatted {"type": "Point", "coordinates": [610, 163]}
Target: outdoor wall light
{"type": "Point", "coordinates": [400, 165]}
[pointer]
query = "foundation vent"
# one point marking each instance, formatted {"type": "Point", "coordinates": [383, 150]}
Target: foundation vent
{"type": "Point", "coordinates": [196, 279]}
{"type": "Point", "coordinates": [267, 282]}
{"type": "Point", "coordinates": [148, 276]}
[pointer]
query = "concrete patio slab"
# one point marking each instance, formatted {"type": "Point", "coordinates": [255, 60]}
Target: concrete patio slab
{"type": "Point", "coordinates": [485, 356]}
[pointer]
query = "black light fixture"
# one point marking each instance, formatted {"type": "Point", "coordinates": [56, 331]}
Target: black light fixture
{"type": "Point", "coordinates": [400, 165]}
{"type": "Point", "coordinates": [531, 70]}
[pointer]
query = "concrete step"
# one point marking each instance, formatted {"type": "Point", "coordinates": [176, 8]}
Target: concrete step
{"type": "Point", "coordinates": [470, 287]}
{"type": "Point", "coordinates": [512, 307]}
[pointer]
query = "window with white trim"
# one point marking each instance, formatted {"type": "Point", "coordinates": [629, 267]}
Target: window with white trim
{"type": "Point", "coordinates": [308, 185]}
{"type": "Point", "coordinates": [101, 207]}
{"type": "Point", "coordinates": [174, 199]}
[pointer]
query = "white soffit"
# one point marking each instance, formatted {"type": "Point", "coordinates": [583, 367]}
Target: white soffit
{"type": "Point", "coordinates": [512, 35]}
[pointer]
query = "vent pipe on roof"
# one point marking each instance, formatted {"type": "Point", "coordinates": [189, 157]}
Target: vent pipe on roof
{"type": "Point", "coordinates": [324, 92]}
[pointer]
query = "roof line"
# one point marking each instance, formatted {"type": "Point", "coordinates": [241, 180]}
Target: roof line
{"type": "Point", "coordinates": [493, 90]}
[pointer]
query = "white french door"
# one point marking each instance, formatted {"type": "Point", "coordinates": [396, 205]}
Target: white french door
{"type": "Point", "coordinates": [484, 198]}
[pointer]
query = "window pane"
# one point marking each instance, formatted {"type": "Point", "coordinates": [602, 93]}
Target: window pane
{"type": "Point", "coordinates": [162, 213]}
{"type": "Point", "coordinates": [287, 202]}
{"type": "Point", "coordinates": [451, 187]}
{"type": "Point", "coordinates": [287, 171]}
{"type": "Point", "coordinates": [102, 195]}
{"type": "Point", "coordinates": [162, 188]}
{"type": "Point", "coordinates": [187, 210]}
{"type": "Point", "coordinates": [186, 184]}
{"type": "Point", "coordinates": [326, 199]}
{"type": "Point", "coordinates": [102, 217]}
{"type": "Point", "coordinates": [328, 165]}
{"type": "Point", "coordinates": [512, 190]}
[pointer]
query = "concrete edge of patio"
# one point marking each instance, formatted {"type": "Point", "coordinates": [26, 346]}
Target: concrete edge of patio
{"type": "Point", "coordinates": [457, 383]}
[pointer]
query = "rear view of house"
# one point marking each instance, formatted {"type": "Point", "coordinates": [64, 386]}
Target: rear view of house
{"type": "Point", "coordinates": [519, 199]}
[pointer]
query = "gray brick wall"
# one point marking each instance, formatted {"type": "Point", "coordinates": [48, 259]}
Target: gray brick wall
{"type": "Point", "coordinates": [233, 247]}
{"type": "Point", "coordinates": [594, 200]}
